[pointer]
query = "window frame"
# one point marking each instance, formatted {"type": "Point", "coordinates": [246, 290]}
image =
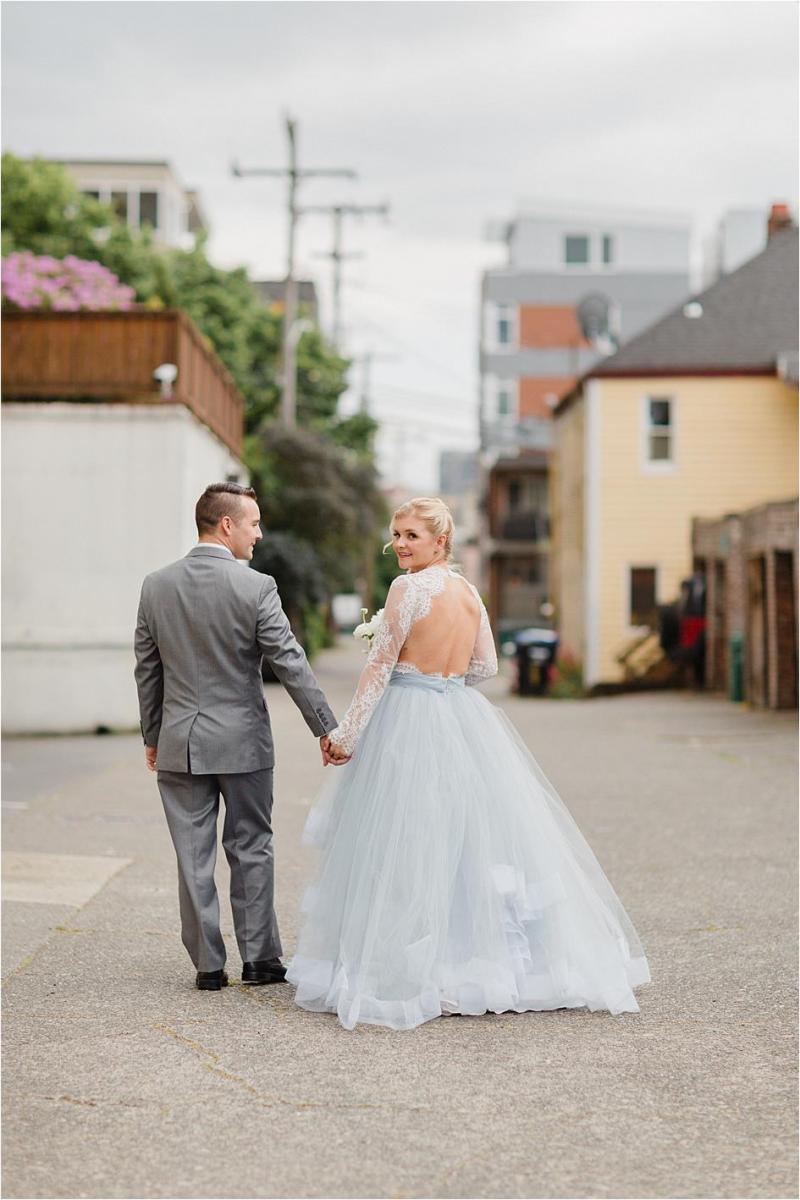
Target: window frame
{"type": "Point", "coordinates": [607, 239]}
{"type": "Point", "coordinates": [658, 466]}
{"type": "Point", "coordinates": [492, 317]}
{"type": "Point", "coordinates": [585, 263]}
{"type": "Point", "coordinates": [494, 384]}
{"type": "Point", "coordinates": [630, 567]}
{"type": "Point", "coordinates": [511, 388]}
{"type": "Point", "coordinates": [155, 192]}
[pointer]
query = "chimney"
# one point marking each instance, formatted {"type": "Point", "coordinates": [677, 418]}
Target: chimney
{"type": "Point", "coordinates": [780, 217]}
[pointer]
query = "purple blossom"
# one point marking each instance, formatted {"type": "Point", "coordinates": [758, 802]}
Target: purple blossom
{"type": "Point", "coordinates": [63, 285]}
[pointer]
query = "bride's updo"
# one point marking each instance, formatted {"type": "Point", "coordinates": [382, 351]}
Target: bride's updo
{"type": "Point", "coordinates": [437, 518]}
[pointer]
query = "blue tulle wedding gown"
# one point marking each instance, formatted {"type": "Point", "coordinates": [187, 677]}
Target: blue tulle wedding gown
{"type": "Point", "coordinates": [452, 877]}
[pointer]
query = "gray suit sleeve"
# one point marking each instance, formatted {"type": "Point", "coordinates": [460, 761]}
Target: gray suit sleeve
{"type": "Point", "coordinates": [287, 658]}
{"type": "Point", "coordinates": [149, 675]}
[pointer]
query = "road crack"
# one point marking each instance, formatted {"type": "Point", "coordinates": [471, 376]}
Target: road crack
{"type": "Point", "coordinates": [269, 1099]}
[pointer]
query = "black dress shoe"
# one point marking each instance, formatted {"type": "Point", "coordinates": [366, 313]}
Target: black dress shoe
{"type": "Point", "coordinates": [269, 970]}
{"type": "Point", "coordinates": [211, 981]}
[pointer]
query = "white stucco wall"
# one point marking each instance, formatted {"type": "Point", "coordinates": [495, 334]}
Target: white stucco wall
{"type": "Point", "coordinates": [94, 497]}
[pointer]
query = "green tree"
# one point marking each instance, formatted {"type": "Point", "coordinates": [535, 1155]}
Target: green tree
{"type": "Point", "coordinates": [385, 569]}
{"type": "Point", "coordinates": [326, 495]}
{"type": "Point", "coordinates": [43, 211]}
{"type": "Point", "coordinates": [355, 433]}
{"type": "Point", "coordinates": [136, 259]}
{"type": "Point", "coordinates": [296, 570]}
{"type": "Point", "coordinates": [317, 484]}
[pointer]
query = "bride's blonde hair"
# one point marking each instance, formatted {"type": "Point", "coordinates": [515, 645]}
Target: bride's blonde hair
{"type": "Point", "coordinates": [438, 520]}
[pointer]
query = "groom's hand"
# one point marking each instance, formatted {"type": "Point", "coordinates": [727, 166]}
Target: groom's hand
{"type": "Point", "coordinates": [325, 747]}
{"type": "Point", "coordinates": [150, 757]}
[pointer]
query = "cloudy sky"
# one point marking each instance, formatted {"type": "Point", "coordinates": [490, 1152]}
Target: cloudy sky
{"type": "Point", "coordinates": [456, 113]}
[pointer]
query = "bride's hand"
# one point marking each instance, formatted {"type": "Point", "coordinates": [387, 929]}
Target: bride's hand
{"type": "Point", "coordinates": [336, 755]}
{"type": "Point", "coordinates": [332, 754]}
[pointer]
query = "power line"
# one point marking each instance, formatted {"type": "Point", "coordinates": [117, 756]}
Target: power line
{"type": "Point", "coordinates": [338, 211]}
{"type": "Point", "coordinates": [367, 359]}
{"type": "Point", "coordinates": [423, 396]}
{"type": "Point", "coordinates": [397, 301]}
{"type": "Point", "coordinates": [411, 350]}
{"type": "Point", "coordinates": [427, 426]}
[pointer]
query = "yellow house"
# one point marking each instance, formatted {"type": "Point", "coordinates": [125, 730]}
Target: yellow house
{"type": "Point", "coordinates": [695, 417]}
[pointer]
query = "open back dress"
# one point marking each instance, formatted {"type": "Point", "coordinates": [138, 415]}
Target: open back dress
{"type": "Point", "coordinates": [452, 877]}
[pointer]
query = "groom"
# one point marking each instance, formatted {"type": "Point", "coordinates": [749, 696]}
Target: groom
{"type": "Point", "coordinates": [204, 623]}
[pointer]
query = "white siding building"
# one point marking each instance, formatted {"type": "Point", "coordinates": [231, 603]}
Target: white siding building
{"type": "Point", "coordinates": [142, 193]}
{"type": "Point", "coordinates": [96, 494]}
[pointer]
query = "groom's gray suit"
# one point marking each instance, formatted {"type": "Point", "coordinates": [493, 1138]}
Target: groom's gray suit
{"type": "Point", "coordinates": [204, 623]}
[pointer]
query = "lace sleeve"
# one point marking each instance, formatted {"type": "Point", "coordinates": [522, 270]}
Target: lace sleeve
{"type": "Point", "coordinates": [383, 653]}
{"type": "Point", "coordinates": [483, 663]}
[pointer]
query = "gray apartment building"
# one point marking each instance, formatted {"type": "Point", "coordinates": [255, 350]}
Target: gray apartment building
{"type": "Point", "coordinates": [579, 282]}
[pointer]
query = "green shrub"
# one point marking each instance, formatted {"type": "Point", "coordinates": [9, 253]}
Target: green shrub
{"type": "Point", "coordinates": [566, 680]}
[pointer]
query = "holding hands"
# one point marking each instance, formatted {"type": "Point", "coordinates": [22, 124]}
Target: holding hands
{"type": "Point", "coordinates": [332, 755]}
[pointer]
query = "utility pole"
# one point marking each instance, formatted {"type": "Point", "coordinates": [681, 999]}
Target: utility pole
{"type": "Point", "coordinates": [367, 359]}
{"type": "Point", "coordinates": [294, 174]}
{"type": "Point", "coordinates": [339, 211]}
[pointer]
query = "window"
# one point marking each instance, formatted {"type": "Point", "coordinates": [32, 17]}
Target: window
{"type": "Point", "coordinates": [608, 249]}
{"type": "Point", "coordinates": [148, 209]}
{"type": "Point", "coordinates": [659, 429]}
{"type": "Point", "coordinates": [500, 399]}
{"type": "Point", "coordinates": [500, 327]}
{"type": "Point", "coordinates": [90, 192]}
{"type": "Point", "coordinates": [576, 248]}
{"type": "Point", "coordinates": [505, 326]}
{"type": "Point", "coordinates": [505, 404]}
{"type": "Point", "coordinates": [642, 597]}
{"type": "Point", "coordinates": [119, 203]}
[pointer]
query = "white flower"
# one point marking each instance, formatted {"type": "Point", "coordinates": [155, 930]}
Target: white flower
{"type": "Point", "coordinates": [367, 629]}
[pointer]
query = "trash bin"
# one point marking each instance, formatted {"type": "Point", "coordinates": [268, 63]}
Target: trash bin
{"type": "Point", "coordinates": [736, 672]}
{"type": "Point", "coordinates": [535, 654]}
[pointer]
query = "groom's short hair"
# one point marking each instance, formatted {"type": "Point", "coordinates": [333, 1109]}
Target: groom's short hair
{"type": "Point", "coordinates": [217, 501]}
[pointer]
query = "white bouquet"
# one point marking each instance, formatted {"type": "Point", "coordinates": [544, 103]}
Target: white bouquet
{"type": "Point", "coordinates": [368, 628]}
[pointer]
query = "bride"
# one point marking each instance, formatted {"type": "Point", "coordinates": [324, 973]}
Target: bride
{"type": "Point", "coordinates": [453, 879]}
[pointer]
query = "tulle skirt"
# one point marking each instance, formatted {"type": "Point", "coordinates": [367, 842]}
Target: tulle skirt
{"type": "Point", "coordinates": [452, 877]}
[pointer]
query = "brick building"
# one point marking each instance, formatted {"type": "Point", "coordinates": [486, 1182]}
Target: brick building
{"type": "Point", "coordinates": [517, 540]}
{"type": "Point", "coordinates": [629, 267]}
{"type": "Point", "coordinates": [578, 281]}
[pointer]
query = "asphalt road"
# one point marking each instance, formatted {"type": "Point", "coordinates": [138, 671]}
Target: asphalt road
{"type": "Point", "coordinates": [120, 1079]}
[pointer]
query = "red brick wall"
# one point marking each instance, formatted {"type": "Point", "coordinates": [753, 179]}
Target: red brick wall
{"type": "Point", "coordinates": [533, 393]}
{"type": "Point", "coordinates": [548, 327]}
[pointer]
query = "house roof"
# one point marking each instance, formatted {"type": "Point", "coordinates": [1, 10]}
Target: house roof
{"type": "Point", "coordinates": [526, 458]}
{"type": "Point", "coordinates": [747, 324]}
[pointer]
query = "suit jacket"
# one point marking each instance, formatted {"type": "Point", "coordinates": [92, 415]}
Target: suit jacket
{"type": "Point", "coordinates": [204, 623]}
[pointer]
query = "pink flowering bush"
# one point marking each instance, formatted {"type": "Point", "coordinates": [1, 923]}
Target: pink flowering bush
{"type": "Point", "coordinates": [71, 284]}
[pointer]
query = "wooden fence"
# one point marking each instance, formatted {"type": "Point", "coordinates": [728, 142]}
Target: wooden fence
{"type": "Point", "coordinates": [111, 356]}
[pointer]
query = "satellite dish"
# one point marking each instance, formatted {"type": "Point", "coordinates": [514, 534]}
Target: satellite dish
{"type": "Point", "coordinates": [594, 313]}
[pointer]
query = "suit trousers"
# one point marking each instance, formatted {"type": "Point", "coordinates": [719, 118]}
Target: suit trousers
{"type": "Point", "coordinates": [191, 804]}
